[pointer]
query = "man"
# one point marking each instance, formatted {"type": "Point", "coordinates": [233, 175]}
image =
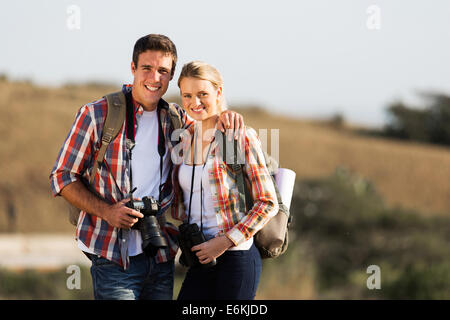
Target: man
{"type": "Point", "coordinates": [120, 270]}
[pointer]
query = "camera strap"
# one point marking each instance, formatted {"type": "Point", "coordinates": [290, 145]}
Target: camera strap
{"type": "Point", "coordinates": [131, 134]}
{"type": "Point", "coordinates": [130, 130]}
{"type": "Point", "coordinates": [161, 148]}
{"type": "Point", "coordinates": [190, 197]}
{"type": "Point", "coordinates": [201, 184]}
{"type": "Point", "coordinates": [193, 176]}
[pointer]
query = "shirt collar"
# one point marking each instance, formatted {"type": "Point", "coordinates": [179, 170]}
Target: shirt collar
{"type": "Point", "coordinates": [137, 107]}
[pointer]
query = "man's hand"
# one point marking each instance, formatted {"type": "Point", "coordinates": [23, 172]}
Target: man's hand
{"type": "Point", "coordinates": [120, 216]}
{"type": "Point", "coordinates": [117, 215]}
{"type": "Point", "coordinates": [231, 120]}
{"type": "Point", "coordinates": [212, 249]}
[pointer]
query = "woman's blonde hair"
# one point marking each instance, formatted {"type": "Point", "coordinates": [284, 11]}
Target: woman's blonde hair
{"type": "Point", "coordinates": [204, 71]}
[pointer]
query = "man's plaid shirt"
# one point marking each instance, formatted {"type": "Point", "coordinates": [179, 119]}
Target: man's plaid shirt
{"type": "Point", "coordinates": [238, 225]}
{"type": "Point", "coordinates": [112, 180]}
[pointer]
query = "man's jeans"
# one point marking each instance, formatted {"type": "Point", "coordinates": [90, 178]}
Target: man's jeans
{"type": "Point", "coordinates": [145, 279]}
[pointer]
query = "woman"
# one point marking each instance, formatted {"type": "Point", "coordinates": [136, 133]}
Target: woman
{"type": "Point", "coordinates": [207, 194]}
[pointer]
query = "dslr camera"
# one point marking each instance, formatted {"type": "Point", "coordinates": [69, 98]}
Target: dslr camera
{"type": "Point", "coordinates": [189, 236]}
{"type": "Point", "coordinates": [152, 236]}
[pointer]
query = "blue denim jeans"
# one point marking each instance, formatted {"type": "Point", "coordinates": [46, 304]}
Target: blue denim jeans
{"type": "Point", "coordinates": [234, 277]}
{"type": "Point", "coordinates": [144, 280]}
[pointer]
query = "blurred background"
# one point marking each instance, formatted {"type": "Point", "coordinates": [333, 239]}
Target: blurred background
{"type": "Point", "coordinates": [359, 91]}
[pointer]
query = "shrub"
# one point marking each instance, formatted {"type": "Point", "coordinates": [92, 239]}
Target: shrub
{"type": "Point", "coordinates": [347, 228]}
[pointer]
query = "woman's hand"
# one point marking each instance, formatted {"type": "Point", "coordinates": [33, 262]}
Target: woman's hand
{"type": "Point", "coordinates": [212, 249]}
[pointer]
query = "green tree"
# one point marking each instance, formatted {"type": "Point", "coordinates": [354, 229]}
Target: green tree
{"type": "Point", "coordinates": [430, 123]}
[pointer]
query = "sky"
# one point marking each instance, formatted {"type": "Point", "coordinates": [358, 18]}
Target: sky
{"type": "Point", "coordinates": [308, 59]}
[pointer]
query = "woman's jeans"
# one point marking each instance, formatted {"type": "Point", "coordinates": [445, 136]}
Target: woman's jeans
{"type": "Point", "coordinates": [144, 279]}
{"type": "Point", "coordinates": [234, 277]}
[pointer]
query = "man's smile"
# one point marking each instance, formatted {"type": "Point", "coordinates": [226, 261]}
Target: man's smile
{"type": "Point", "coordinates": [152, 88]}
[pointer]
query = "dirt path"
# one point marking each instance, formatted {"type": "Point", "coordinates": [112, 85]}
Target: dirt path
{"type": "Point", "coordinates": [39, 251]}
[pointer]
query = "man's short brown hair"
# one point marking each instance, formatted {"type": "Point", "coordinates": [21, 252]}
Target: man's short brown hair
{"type": "Point", "coordinates": [155, 42]}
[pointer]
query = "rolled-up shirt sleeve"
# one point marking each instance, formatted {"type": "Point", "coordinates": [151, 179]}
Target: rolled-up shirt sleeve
{"type": "Point", "coordinates": [75, 155]}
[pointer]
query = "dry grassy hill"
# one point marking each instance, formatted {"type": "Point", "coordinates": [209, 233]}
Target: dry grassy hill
{"type": "Point", "coordinates": [35, 121]}
{"type": "Point", "coordinates": [407, 174]}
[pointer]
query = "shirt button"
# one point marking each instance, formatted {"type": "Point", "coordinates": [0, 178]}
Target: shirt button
{"type": "Point", "coordinates": [124, 240]}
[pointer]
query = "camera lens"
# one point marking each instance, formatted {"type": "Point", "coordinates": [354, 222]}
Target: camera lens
{"type": "Point", "coordinates": [152, 236]}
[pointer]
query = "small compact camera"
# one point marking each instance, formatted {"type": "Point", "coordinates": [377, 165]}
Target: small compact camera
{"type": "Point", "coordinates": [189, 236]}
{"type": "Point", "coordinates": [152, 236]}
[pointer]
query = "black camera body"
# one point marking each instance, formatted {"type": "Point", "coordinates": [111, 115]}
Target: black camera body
{"type": "Point", "coordinates": [152, 236]}
{"type": "Point", "coordinates": [189, 236]}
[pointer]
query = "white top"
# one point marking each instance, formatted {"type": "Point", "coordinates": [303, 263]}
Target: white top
{"type": "Point", "coordinates": [145, 170]}
{"type": "Point", "coordinates": [209, 218]}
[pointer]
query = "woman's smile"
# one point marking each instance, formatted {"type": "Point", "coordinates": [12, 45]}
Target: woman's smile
{"type": "Point", "coordinates": [199, 98]}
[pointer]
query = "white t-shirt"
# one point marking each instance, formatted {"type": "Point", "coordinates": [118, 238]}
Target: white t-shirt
{"type": "Point", "coordinates": [145, 170]}
{"type": "Point", "coordinates": [208, 217]}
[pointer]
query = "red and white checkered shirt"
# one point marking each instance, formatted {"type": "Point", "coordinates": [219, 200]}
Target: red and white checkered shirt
{"type": "Point", "coordinates": [111, 181]}
{"type": "Point", "coordinates": [236, 224]}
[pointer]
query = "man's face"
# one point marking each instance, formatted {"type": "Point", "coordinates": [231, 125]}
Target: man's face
{"type": "Point", "coordinates": [151, 78]}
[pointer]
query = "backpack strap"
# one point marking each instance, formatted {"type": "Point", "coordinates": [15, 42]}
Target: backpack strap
{"type": "Point", "coordinates": [245, 198]}
{"type": "Point", "coordinates": [115, 118]}
{"type": "Point", "coordinates": [175, 117]}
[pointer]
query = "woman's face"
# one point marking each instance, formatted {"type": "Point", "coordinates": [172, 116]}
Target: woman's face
{"type": "Point", "coordinates": [200, 98]}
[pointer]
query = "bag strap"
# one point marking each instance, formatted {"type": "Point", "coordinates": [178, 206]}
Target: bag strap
{"type": "Point", "coordinates": [175, 117]}
{"type": "Point", "coordinates": [175, 120]}
{"type": "Point", "coordinates": [243, 192]}
{"type": "Point", "coordinates": [245, 198]}
{"type": "Point", "coordinates": [115, 118]}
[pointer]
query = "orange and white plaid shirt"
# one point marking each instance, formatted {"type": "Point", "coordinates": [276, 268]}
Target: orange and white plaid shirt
{"type": "Point", "coordinates": [237, 225]}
